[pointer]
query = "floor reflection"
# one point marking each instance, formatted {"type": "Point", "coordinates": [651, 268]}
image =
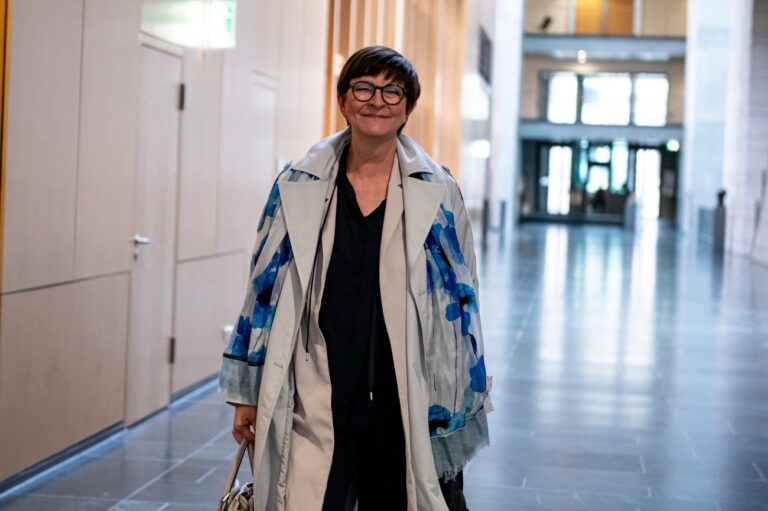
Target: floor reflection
{"type": "Point", "coordinates": [630, 372]}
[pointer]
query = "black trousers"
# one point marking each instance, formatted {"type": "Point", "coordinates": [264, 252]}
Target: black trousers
{"type": "Point", "coordinates": [368, 469]}
{"type": "Point", "coordinates": [370, 472]}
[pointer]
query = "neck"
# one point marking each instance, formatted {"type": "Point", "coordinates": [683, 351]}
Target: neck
{"type": "Point", "coordinates": [371, 156]}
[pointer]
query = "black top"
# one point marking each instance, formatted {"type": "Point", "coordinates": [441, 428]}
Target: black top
{"type": "Point", "coordinates": [351, 308]}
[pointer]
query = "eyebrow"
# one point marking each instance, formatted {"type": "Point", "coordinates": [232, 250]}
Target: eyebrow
{"type": "Point", "coordinates": [355, 82]}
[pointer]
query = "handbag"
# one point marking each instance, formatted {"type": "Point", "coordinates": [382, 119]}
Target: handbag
{"type": "Point", "coordinates": [238, 497]}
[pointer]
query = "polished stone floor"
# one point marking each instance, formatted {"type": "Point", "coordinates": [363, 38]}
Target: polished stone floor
{"type": "Point", "coordinates": [630, 373]}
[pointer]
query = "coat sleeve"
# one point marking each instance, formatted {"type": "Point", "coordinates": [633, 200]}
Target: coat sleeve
{"type": "Point", "coordinates": [243, 358]}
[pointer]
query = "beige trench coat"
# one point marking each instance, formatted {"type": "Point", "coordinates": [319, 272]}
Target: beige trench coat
{"type": "Point", "coordinates": [294, 431]}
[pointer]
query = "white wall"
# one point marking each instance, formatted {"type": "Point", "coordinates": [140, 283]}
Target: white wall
{"type": "Point", "coordinates": [746, 131]}
{"type": "Point", "coordinates": [475, 92]}
{"type": "Point", "coordinates": [505, 107]}
{"type": "Point", "coordinates": [494, 178]}
{"type": "Point", "coordinates": [72, 141]}
{"type": "Point", "coordinates": [705, 110]}
{"type": "Point", "coordinates": [560, 12]}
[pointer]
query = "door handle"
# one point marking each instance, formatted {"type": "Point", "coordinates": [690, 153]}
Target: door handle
{"type": "Point", "coordinates": [138, 239]}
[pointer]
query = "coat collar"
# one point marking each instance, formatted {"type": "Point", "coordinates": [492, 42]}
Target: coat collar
{"type": "Point", "coordinates": [321, 159]}
{"type": "Point", "coordinates": [306, 203]}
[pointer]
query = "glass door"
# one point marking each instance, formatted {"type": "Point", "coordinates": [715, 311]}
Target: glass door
{"type": "Point", "coordinates": [559, 180]}
{"type": "Point", "coordinates": [648, 181]}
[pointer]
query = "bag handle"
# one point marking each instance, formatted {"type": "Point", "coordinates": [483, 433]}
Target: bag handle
{"type": "Point", "coordinates": [232, 477]}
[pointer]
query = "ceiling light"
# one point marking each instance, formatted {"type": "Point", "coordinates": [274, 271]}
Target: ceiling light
{"type": "Point", "coordinates": [673, 145]}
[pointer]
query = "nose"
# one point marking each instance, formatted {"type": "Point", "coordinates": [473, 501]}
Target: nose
{"type": "Point", "coordinates": [378, 98]}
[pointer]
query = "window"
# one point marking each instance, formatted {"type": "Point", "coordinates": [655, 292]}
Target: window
{"type": "Point", "coordinates": [613, 99]}
{"type": "Point", "coordinates": [606, 99]}
{"type": "Point", "coordinates": [651, 93]}
{"type": "Point", "coordinates": [562, 98]}
{"type": "Point", "coordinates": [600, 153]}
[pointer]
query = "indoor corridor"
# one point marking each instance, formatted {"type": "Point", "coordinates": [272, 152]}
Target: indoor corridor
{"type": "Point", "coordinates": [630, 373]}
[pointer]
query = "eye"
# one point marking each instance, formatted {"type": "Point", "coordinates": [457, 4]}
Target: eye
{"type": "Point", "coordinates": [363, 87]}
{"type": "Point", "coordinates": [393, 91]}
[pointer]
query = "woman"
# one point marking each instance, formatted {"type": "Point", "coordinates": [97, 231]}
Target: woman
{"type": "Point", "coordinates": [356, 367]}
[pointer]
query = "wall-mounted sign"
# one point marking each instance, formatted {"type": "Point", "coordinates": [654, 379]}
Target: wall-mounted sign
{"type": "Point", "coordinates": [193, 23]}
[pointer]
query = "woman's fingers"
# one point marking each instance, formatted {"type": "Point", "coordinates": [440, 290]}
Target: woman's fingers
{"type": "Point", "coordinates": [241, 432]}
{"type": "Point", "coordinates": [244, 423]}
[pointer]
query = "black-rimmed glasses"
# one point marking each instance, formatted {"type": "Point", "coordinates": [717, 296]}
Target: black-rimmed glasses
{"type": "Point", "coordinates": [391, 94]}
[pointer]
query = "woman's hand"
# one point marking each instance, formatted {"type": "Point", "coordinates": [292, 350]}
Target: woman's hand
{"type": "Point", "coordinates": [244, 423]}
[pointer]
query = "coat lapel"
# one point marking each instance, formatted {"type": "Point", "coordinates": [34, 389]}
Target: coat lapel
{"type": "Point", "coordinates": [393, 213]}
{"type": "Point", "coordinates": [421, 202]}
{"type": "Point", "coordinates": [304, 205]}
{"type": "Point", "coordinates": [421, 198]}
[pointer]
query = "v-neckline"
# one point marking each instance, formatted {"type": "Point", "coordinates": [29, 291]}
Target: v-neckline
{"type": "Point", "coordinates": [349, 190]}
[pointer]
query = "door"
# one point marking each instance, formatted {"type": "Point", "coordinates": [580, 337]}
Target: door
{"type": "Point", "coordinates": [152, 275]}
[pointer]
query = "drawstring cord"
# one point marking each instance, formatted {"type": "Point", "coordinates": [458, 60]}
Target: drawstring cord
{"type": "Point", "coordinates": [372, 347]}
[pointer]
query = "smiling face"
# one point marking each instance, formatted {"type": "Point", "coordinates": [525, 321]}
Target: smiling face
{"type": "Point", "coordinates": [373, 118]}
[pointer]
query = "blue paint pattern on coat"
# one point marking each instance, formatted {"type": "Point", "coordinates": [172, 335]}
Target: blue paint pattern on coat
{"type": "Point", "coordinates": [272, 204]}
{"type": "Point", "coordinates": [265, 307]}
{"type": "Point", "coordinates": [242, 337]}
{"type": "Point", "coordinates": [257, 357]}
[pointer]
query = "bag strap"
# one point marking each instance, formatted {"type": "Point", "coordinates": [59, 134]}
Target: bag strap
{"type": "Point", "coordinates": [232, 477]}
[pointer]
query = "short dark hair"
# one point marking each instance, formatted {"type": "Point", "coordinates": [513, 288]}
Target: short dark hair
{"type": "Point", "coordinates": [373, 60]}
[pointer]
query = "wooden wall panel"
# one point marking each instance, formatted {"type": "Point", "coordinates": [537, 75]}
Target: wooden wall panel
{"type": "Point", "coordinates": [199, 162]}
{"type": "Point", "coordinates": [451, 65]}
{"type": "Point", "coordinates": [209, 294]}
{"type": "Point", "coordinates": [290, 86]}
{"type": "Point", "coordinates": [107, 141]}
{"type": "Point", "coordinates": [236, 171]}
{"type": "Point", "coordinates": [313, 58]}
{"type": "Point", "coordinates": [5, 6]}
{"type": "Point", "coordinates": [619, 16]}
{"type": "Point", "coordinates": [62, 367]}
{"type": "Point", "coordinates": [664, 17]}
{"type": "Point", "coordinates": [247, 163]}
{"type": "Point", "coordinates": [302, 85]}
{"type": "Point", "coordinates": [43, 107]}
{"type": "Point", "coordinates": [589, 15]}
